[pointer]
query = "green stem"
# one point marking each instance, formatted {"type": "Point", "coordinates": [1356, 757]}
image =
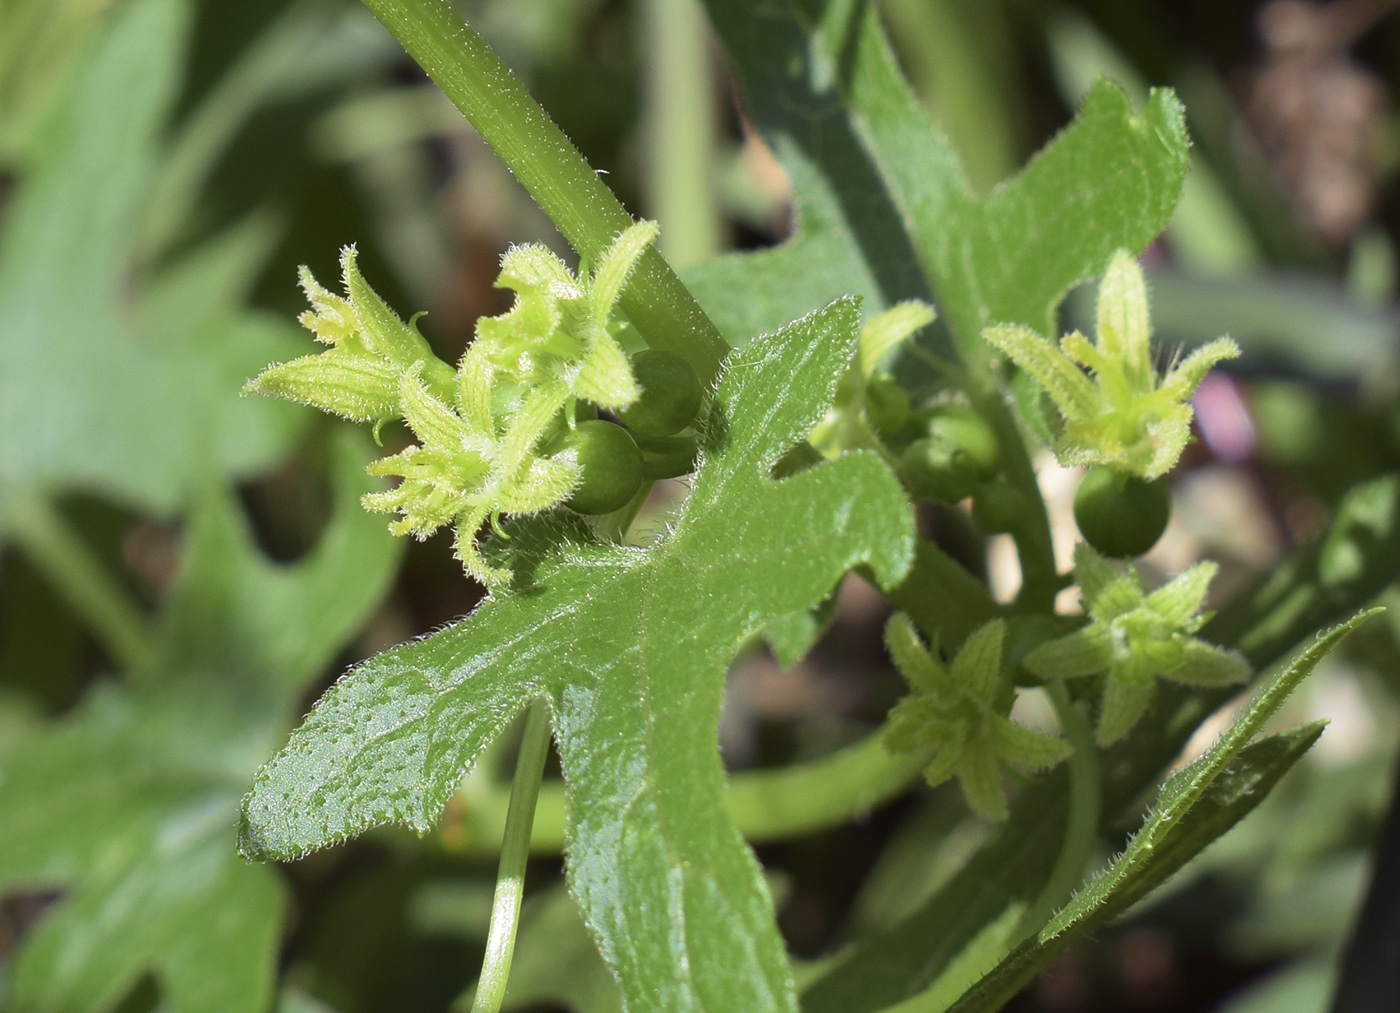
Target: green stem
{"type": "Point", "coordinates": [1034, 547]}
{"type": "Point", "coordinates": [515, 853]}
{"type": "Point", "coordinates": [942, 597]}
{"type": "Point", "coordinates": [766, 805]}
{"type": "Point", "coordinates": [84, 581]}
{"type": "Point", "coordinates": [680, 121]}
{"type": "Point", "coordinates": [551, 168]}
{"type": "Point", "coordinates": [1082, 825]}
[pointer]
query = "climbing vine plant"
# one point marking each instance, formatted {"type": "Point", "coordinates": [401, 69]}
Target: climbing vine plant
{"type": "Point", "coordinates": [777, 384]}
{"type": "Point", "coordinates": [626, 647]}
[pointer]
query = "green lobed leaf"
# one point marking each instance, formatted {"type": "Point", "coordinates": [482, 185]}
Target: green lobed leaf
{"type": "Point", "coordinates": [113, 379]}
{"type": "Point", "coordinates": [1110, 179]}
{"type": "Point", "coordinates": [630, 647]}
{"type": "Point", "coordinates": [128, 805]}
{"type": "Point", "coordinates": [870, 170]}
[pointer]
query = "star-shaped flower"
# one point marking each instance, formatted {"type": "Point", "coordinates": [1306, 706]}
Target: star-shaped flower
{"type": "Point", "coordinates": [357, 378]}
{"type": "Point", "coordinates": [962, 711]}
{"type": "Point", "coordinates": [1135, 638]}
{"type": "Point", "coordinates": [1121, 413]}
{"type": "Point", "coordinates": [481, 428]}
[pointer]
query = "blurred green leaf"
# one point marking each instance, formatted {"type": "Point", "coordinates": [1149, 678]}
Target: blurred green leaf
{"type": "Point", "coordinates": [629, 646]}
{"type": "Point", "coordinates": [849, 236]}
{"type": "Point", "coordinates": [128, 804]}
{"type": "Point", "coordinates": [870, 170]}
{"type": "Point", "coordinates": [111, 382]}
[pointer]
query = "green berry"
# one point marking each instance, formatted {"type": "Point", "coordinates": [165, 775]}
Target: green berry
{"type": "Point", "coordinates": [1121, 515]}
{"type": "Point", "coordinates": [998, 508]}
{"type": "Point", "coordinates": [974, 444]}
{"type": "Point", "coordinates": [959, 454]}
{"type": "Point", "coordinates": [931, 471]}
{"type": "Point", "coordinates": [609, 462]}
{"type": "Point", "coordinates": [886, 405]}
{"type": "Point", "coordinates": [670, 396]}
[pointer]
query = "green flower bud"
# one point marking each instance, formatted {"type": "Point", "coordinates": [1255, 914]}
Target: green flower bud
{"type": "Point", "coordinates": [608, 461]}
{"type": "Point", "coordinates": [670, 397]}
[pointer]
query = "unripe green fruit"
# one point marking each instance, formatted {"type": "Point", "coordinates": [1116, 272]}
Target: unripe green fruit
{"type": "Point", "coordinates": [930, 471]}
{"type": "Point", "coordinates": [886, 405]}
{"type": "Point", "coordinates": [998, 508]}
{"type": "Point", "coordinates": [976, 448]}
{"type": "Point", "coordinates": [1121, 515]}
{"type": "Point", "coordinates": [670, 397]}
{"type": "Point", "coordinates": [609, 462]}
{"type": "Point", "coordinates": [959, 453]}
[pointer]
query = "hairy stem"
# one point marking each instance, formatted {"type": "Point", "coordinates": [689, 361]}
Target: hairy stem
{"type": "Point", "coordinates": [84, 581]}
{"type": "Point", "coordinates": [551, 168]}
{"type": "Point", "coordinates": [1082, 826]}
{"type": "Point", "coordinates": [766, 805]}
{"type": "Point", "coordinates": [515, 853]}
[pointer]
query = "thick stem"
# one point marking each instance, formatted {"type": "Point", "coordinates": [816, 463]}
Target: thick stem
{"type": "Point", "coordinates": [85, 583]}
{"type": "Point", "coordinates": [551, 168]}
{"type": "Point", "coordinates": [766, 805]}
{"type": "Point", "coordinates": [515, 853]}
{"type": "Point", "coordinates": [1082, 826]}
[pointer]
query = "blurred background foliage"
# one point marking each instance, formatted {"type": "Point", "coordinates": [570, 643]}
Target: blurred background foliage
{"type": "Point", "coordinates": [164, 166]}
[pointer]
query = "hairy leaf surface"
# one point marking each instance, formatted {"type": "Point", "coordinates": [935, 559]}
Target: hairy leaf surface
{"type": "Point", "coordinates": [879, 189]}
{"type": "Point", "coordinates": [629, 646]}
{"type": "Point", "coordinates": [1196, 805]}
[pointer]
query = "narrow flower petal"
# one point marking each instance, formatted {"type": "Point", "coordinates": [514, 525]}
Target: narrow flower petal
{"type": "Point", "coordinates": [1027, 747]}
{"type": "Point", "coordinates": [979, 776]}
{"type": "Point", "coordinates": [1123, 705]}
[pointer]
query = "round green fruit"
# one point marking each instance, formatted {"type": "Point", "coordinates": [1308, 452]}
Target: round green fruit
{"type": "Point", "coordinates": [1121, 515]}
{"type": "Point", "coordinates": [670, 397]}
{"type": "Point", "coordinates": [972, 441]}
{"type": "Point", "coordinates": [886, 405]}
{"type": "Point", "coordinates": [609, 462]}
{"type": "Point", "coordinates": [931, 471]}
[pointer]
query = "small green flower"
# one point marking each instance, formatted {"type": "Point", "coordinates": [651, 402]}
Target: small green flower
{"type": "Point", "coordinates": [1136, 638]}
{"type": "Point", "coordinates": [962, 711]}
{"type": "Point", "coordinates": [357, 378]}
{"type": "Point", "coordinates": [1121, 414]}
{"type": "Point", "coordinates": [480, 429]}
